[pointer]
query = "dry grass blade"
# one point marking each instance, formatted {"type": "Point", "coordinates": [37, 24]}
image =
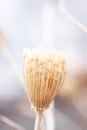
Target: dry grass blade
{"type": "Point", "coordinates": [69, 17]}
{"type": "Point", "coordinates": [10, 122]}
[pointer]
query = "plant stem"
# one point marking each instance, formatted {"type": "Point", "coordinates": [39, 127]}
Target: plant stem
{"type": "Point", "coordinates": [70, 18]}
{"type": "Point", "coordinates": [38, 120]}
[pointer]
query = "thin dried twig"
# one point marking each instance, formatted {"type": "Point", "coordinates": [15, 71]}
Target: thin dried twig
{"type": "Point", "coordinates": [70, 18]}
{"type": "Point", "coordinates": [8, 55]}
{"type": "Point", "coordinates": [10, 122]}
{"type": "Point", "coordinates": [10, 58]}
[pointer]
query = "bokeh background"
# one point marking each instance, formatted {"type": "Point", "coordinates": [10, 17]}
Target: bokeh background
{"type": "Point", "coordinates": [29, 24]}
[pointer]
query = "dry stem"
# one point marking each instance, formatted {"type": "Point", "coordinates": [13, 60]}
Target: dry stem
{"type": "Point", "coordinates": [8, 55]}
{"type": "Point", "coordinates": [10, 58]}
{"type": "Point", "coordinates": [70, 18]}
{"type": "Point", "coordinates": [38, 120]}
{"type": "Point", "coordinates": [10, 122]}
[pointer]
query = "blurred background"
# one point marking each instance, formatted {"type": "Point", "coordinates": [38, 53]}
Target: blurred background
{"type": "Point", "coordinates": [33, 23]}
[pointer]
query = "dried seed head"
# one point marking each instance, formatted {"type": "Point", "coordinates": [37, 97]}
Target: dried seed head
{"type": "Point", "coordinates": [45, 72]}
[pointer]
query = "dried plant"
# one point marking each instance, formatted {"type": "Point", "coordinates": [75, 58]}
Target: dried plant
{"type": "Point", "coordinates": [39, 104]}
{"type": "Point", "coordinates": [70, 18]}
{"type": "Point", "coordinates": [44, 72]}
{"type": "Point", "coordinates": [8, 55]}
{"type": "Point", "coordinates": [10, 123]}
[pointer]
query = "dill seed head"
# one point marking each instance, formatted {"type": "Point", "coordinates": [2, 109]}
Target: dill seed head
{"type": "Point", "coordinates": [44, 72]}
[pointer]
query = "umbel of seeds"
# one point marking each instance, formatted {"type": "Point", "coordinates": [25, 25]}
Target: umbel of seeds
{"type": "Point", "coordinates": [44, 73]}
